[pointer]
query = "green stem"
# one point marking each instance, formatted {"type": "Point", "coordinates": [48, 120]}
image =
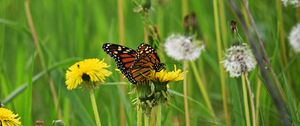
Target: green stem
{"type": "Point", "coordinates": [223, 20]}
{"type": "Point", "coordinates": [122, 42]}
{"type": "Point", "coordinates": [185, 7]}
{"type": "Point", "coordinates": [158, 115]}
{"type": "Point", "coordinates": [139, 116]}
{"type": "Point", "coordinates": [152, 117]}
{"type": "Point", "coordinates": [246, 105]}
{"type": "Point", "coordinates": [258, 92]}
{"type": "Point", "coordinates": [146, 120]}
{"type": "Point", "coordinates": [95, 109]}
{"type": "Point", "coordinates": [222, 73]}
{"type": "Point", "coordinates": [185, 93]}
{"type": "Point", "coordinates": [251, 100]}
{"type": "Point", "coordinates": [203, 90]}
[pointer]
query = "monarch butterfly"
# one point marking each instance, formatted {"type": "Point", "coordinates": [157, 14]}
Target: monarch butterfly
{"type": "Point", "coordinates": [136, 65]}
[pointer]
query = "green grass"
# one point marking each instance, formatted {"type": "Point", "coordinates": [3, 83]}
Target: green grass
{"type": "Point", "coordinates": [69, 31]}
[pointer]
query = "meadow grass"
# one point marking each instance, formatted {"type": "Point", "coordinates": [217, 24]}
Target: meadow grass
{"type": "Point", "coordinates": [68, 31]}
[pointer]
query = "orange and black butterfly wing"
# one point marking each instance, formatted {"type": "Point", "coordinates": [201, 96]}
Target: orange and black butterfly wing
{"type": "Point", "coordinates": [141, 69]}
{"type": "Point", "coordinates": [147, 53]}
{"type": "Point", "coordinates": [147, 60]}
{"type": "Point", "coordinates": [124, 56]}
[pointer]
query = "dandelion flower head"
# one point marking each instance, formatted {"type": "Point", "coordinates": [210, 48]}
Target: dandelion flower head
{"type": "Point", "coordinates": [182, 48]}
{"type": "Point", "coordinates": [8, 118]}
{"type": "Point", "coordinates": [295, 3]}
{"type": "Point", "coordinates": [239, 59]}
{"type": "Point", "coordinates": [294, 38]}
{"type": "Point", "coordinates": [93, 70]}
{"type": "Point", "coordinates": [165, 77]}
{"type": "Point", "coordinates": [153, 94]}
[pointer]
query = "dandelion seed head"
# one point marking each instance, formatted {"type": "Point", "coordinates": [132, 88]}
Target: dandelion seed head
{"type": "Point", "coordinates": [294, 38]}
{"type": "Point", "coordinates": [182, 48]}
{"type": "Point", "coordinates": [295, 3]}
{"type": "Point", "coordinates": [239, 59]}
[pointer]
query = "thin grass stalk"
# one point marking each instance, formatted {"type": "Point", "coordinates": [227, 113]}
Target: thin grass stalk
{"type": "Point", "coordinates": [121, 22]}
{"type": "Point", "coordinates": [95, 109]}
{"type": "Point", "coordinates": [258, 92]}
{"type": "Point", "coordinates": [146, 40]}
{"type": "Point", "coordinates": [222, 73]}
{"type": "Point", "coordinates": [298, 14]}
{"type": "Point", "coordinates": [250, 94]}
{"type": "Point", "coordinates": [246, 104]}
{"type": "Point", "coordinates": [41, 58]}
{"type": "Point", "coordinates": [281, 32]}
{"type": "Point", "coordinates": [146, 34]}
{"type": "Point", "coordinates": [185, 93]}
{"type": "Point", "coordinates": [203, 90]}
{"type": "Point", "coordinates": [283, 53]}
{"type": "Point", "coordinates": [122, 42]}
{"type": "Point", "coordinates": [223, 21]}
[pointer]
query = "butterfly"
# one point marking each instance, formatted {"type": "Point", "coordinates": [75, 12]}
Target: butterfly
{"type": "Point", "coordinates": [136, 65]}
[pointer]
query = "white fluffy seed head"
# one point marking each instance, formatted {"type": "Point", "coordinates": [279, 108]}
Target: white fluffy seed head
{"type": "Point", "coordinates": [239, 59]}
{"type": "Point", "coordinates": [295, 3]}
{"type": "Point", "coordinates": [182, 48]}
{"type": "Point", "coordinates": [294, 38]}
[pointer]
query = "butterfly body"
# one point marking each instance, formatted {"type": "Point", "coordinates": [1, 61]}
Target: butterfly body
{"type": "Point", "coordinates": [136, 65]}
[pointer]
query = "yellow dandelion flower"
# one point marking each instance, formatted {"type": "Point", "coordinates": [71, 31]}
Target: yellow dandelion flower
{"type": "Point", "coordinates": [165, 77]}
{"type": "Point", "coordinates": [8, 118]}
{"type": "Point", "coordinates": [90, 70]}
{"type": "Point", "coordinates": [153, 94]}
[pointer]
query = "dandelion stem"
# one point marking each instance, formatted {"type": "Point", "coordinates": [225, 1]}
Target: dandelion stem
{"type": "Point", "coordinates": [184, 7]}
{"type": "Point", "coordinates": [184, 4]}
{"type": "Point", "coordinates": [146, 120]}
{"type": "Point", "coordinates": [250, 94]}
{"type": "Point", "coordinates": [139, 116]}
{"type": "Point", "coordinates": [203, 90]}
{"type": "Point", "coordinates": [158, 116]}
{"type": "Point", "coordinates": [258, 91]}
{"type": "Point", "coordinates": [153, 116]}
{"type": "Point", "coordinates": [95, 109]}
{"type": "Point", "coordinates": [246, 105]}
{"type": "Point", "coordinates": [222, 73]}
{"type": "Point", "coordinates": [185, 93]}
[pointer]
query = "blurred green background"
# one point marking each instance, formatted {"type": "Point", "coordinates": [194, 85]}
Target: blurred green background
{"type": "Point", "coordinates": [71, 30]}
